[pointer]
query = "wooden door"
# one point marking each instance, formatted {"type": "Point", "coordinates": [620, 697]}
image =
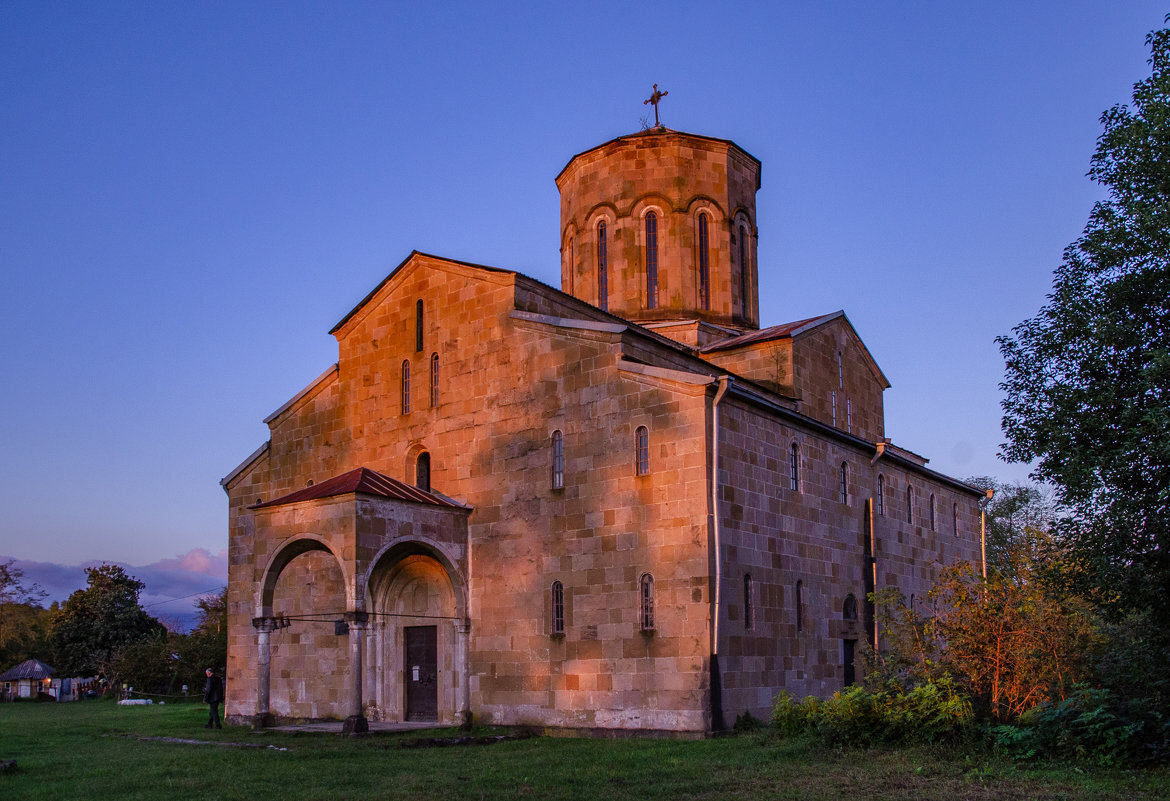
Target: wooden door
{"type": "Point", "coordinates": [422, 673]}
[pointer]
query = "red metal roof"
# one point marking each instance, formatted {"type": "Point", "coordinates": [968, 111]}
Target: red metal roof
{"type": "Point", "coordinates": [764, 334]}
{"type": "Point", "coordinates": [364, 481]}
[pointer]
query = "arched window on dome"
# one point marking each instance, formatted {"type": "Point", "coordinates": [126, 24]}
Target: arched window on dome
{"type": "Point", "coordinates": [602, 268]}
{"type": "Point", "coordinates": [704, 264]}
{"type": "Point", "coordinates": [651, 260]}
{"type": "Point", "coordinates": [744, 272]}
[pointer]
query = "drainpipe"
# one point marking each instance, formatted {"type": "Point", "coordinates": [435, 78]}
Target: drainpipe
{"type": "Point", "coordinates": [983, 529]}
{"type": "Point", "coordinates": [716, 679]}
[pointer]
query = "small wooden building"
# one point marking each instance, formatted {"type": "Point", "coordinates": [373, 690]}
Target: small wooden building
{"type": "Point", "coordinates": [27, 679]}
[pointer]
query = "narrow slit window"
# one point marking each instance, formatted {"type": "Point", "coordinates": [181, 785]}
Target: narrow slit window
{"type": "Point", "coordinates": [651, 260]}
{"type": "Point", "coordinates": [406, 387]}
{"type": "Point", "coordinates": [881, 499]}
{"type": "Point", "coordinates": [602, 269]}
{"type": "Point", "coordinates": [422, 472]}
{"type": "Point", "coordinates": [800, 606]}
{"type": "Point", "coordinates": [844, 482]}
{"type": "Point", "coordinates": [642, 451]}
{"type": "Point", "coordinates": [794, 468]}
{"type": "Point", "coordinates": [955, 519]}
{"type": "Point", "coordinates": [704, 265]}
{"type": "Point", "coordinates": [558, 460]}
{"type": "Point", "coordinates": [849, 415]}
{"type": "Point", "coordinates": [748, 610]}
{"type": "Point", "coordinates": [646, 595]}
{"type": "Point", "coordinates": [833, 403]}
{"type": "Point", "coordinates": [434, 380]}
{"type": "Point", "coordinates": [558, 608]}
{"type": "Point", "coordinates": [418, 326]}
{"type": "Point", "coordinates": [932, 511]}
{"type": "Point", "coordinates": [910, 505]}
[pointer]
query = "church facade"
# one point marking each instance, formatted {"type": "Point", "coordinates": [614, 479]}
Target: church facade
{"type": "Point", "coordinates": [621, 505]}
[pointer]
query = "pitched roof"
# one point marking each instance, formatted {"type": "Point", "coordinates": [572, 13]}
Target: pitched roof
{"type": "Point", "coordinates": [28, 669]}
{"type": "Point", "coordinates": [365, 481]}
{"type": "Point", "coordinates": [772, 332]}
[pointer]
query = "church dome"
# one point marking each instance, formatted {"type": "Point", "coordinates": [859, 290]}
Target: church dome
{"type": "Point", "coordinates": [661, 225]}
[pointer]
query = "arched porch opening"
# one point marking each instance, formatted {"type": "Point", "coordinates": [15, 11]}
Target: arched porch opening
{"type": "Point", "coordinates": [416, 659]}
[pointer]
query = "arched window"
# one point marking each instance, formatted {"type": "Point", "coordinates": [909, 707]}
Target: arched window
{"type": "Point", "coordinates": [844, 482]}
{"type": "Point", "coordinates": [849, 415]}
{"type": "Point", "coordinates": [434, 380]}
{"type": "Point", "coordinates": [910, 505]}
{"type": "Point", "coordinates": [833, 403]}
{"type": "Point", "coordinates": [748, 611]}
{"type": "Point", "coordinates": [406, 387]}
{"type": "Point", "coordinates": [794, 468]}
{"type": "Point", "coordinates": [704, 265]}
{"type": "Point", "coordinates": [849, 608]}
{"type": "Point", "coordinates": [418, 326]}
{"type": "Point", "coordinates": [955, 518]}
{"type": "Point", "coordinates": [602, 269]}
{"type": "Point", "coordinates": [558, 608]}
{"type": "Point", "coordinates": [651, 260]}
{"type": "Point", "coordinates": [881, 499]}
{"type": "Point", "coordinates": [744, 272]}
{"type": "Point", "coordinates": [840, 371]}
{"type": "Point", "coordinates": [646, 603]}
{"type": "Point", "coordinates": [422, 472]}
{"type": "Point", "coordinates": [800, 606]}
{"type": "Point", "coordinates": [642, 451]}
{"type": "Point", "coordinates": [932, 511]}
{"type": "Point", "coordinates": [558, 461]}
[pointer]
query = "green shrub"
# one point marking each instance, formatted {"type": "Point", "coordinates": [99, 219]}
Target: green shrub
{"type": "Point", "coordinates": [932, 712]}
{"type": "Point", "coordinates": [1090, 725]}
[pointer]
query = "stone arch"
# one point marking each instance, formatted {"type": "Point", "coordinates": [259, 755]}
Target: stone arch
{"type": "Point", "coordinates": [414, 589]}
{"type": "Point", "coordinates": [390, 555]}
{"type": "Point", "coordinates": [410, 462]}
{"type": "Point", "coordinates": [290, 550]}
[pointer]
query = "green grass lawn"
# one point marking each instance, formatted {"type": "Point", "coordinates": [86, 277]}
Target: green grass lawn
{"type": "Point", "coordinates": [96, 750]}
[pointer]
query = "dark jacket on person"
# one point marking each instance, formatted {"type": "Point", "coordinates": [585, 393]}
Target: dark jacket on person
{"type": "Point", "coordinates": [213, 691]}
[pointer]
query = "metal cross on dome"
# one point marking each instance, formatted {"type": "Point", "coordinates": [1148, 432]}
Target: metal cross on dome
{"type": "Point", "coordinates": [655, 99]}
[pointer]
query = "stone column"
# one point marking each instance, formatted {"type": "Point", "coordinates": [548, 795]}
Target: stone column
{"type": "Point", "coordinates": [264, 626]}
{"type": "Point", "coordinates": [356, 722]}
{"type": "Point", "coordinates": [463, 660]}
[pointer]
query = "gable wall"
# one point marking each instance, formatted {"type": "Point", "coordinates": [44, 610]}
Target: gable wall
{"type": "Point", "coordinates": [816, 379]}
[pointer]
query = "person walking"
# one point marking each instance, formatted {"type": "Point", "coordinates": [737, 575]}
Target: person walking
{"type": "Point", "coordinates": [213, 697]}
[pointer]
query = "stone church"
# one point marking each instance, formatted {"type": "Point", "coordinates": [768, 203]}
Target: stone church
{"type": "Point", "coordinates": [621, 505]}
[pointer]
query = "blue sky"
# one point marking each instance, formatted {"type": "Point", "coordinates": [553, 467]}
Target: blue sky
{"type": "Point", "coordinates": [192, 194]}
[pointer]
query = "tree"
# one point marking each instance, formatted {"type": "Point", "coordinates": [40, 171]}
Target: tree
{"type": "Point", "coordinates": [95, 622]}
{"type": "Point", "coordinates": [23, 622]}
{"type": "Point", "coordinates": [1087, 384]}
{"type": "Point", "coordinates": [1011, 641]}
{"type": "Point", "coordinates": [1017, 516]}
